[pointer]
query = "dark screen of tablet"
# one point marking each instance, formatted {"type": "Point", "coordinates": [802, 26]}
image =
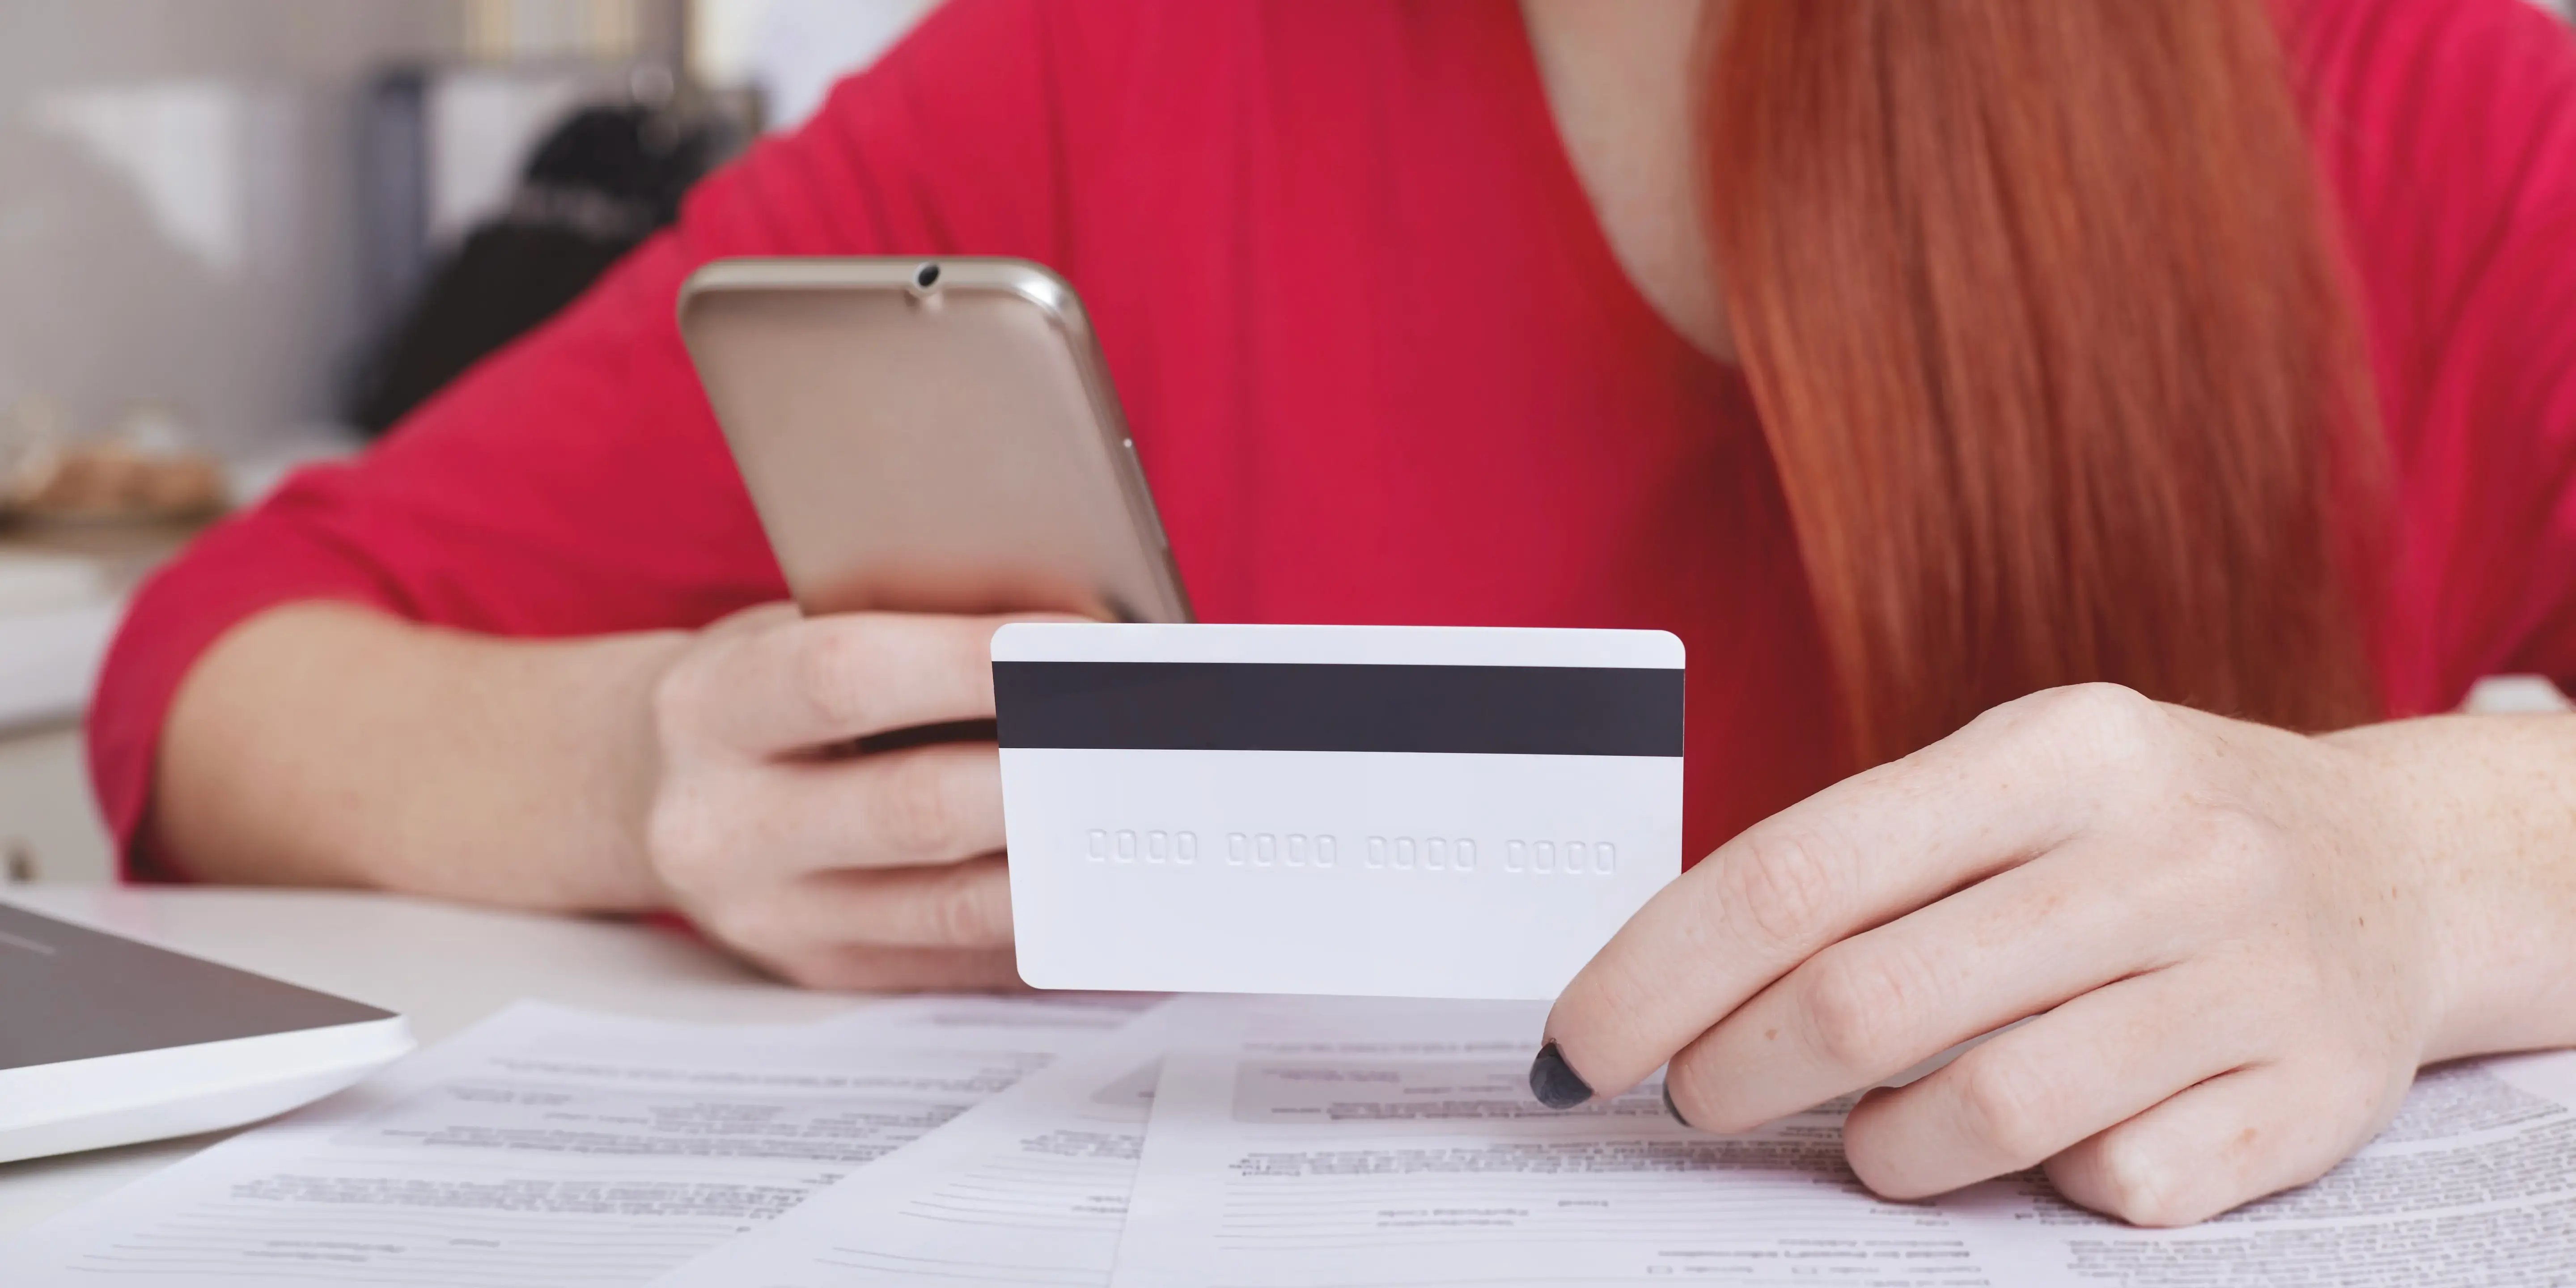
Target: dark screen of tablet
{"type": "Point", "coordinates": [71, 993]}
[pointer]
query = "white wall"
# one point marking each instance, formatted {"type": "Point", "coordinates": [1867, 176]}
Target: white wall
{"type": "Point", "coordinates": [791, 51]}
{"type": "Point", "coordinates": [177, 201]}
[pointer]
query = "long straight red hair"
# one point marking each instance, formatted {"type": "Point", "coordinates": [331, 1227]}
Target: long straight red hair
{"type": "Point", "coordinates": [2049, 330]}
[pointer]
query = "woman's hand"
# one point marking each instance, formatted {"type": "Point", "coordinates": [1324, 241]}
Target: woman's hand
{"type": "Point", "coordinates": [2238, 943]}
{"type": "Point", "coordinates": [780, 832]}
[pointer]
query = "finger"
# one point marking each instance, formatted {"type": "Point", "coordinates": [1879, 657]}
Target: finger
{"type": "Point", "coordinates": [1883, 1001]}
{"type": "Point", "coordinates": [758, 617]}
{"type": "Point", "coordinates": [826, 680]}
{"type": "Point", "coordinates": [2015, 783]}
{"type": "Point", "coordinates": [2224, 1142]}
{"type": "Point", "coordinates": [922, 805]}
{"type": "Point", "coordinates": [868, 968]}
{"type": "Point", "coordinates": [2031, 1093]}
{"type": "Point", "coordinates": [919, 806]}
{"type": "Point", "coordinates": [956, 905]}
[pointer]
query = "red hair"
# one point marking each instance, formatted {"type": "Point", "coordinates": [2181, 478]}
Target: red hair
{"type": "Point", "coordinates": [2051, 339]}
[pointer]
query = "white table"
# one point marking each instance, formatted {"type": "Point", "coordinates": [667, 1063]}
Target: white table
{"type": "Point", "coordinates": [443, 965]}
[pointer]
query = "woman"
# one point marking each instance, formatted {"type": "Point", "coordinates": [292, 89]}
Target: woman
{"type": "Point", "coordinates": [2185, 386]}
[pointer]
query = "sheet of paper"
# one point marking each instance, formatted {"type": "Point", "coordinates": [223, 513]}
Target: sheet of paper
{"type": "Point", "coordinates": [1029, 1187]}
{"type": "Point", "coordinates": [548, 1147]}
{"type": "Point", "coordinates": [1410, 1153]}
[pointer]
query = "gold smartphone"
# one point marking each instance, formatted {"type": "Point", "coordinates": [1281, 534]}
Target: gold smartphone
{"type": "Point", "coordinates": [929, 435]}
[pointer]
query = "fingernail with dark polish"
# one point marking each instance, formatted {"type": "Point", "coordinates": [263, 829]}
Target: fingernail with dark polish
{"type": "Point", "coordinates": [1670, 1107]}
{"type": "Point", "coordinates": [1555, 1082]}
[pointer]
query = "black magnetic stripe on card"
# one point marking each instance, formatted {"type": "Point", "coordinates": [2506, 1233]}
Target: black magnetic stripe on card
{"type": "Point", "coordinates": [1277, 706]}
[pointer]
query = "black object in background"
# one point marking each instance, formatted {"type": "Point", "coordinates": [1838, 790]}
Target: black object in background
{"type": "Point", "coordinates": [600, 184]}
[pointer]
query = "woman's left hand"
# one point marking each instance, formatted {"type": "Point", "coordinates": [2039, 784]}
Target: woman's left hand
{"type": "Point", "coordinates": [2234, 939]}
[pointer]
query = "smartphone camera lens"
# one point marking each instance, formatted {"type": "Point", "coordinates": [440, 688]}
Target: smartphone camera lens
{"type": "Point", "coordinates": [926, 276]}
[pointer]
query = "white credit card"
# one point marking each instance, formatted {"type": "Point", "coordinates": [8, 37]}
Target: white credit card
{"type": "Point", "coordinates": [1403, 811]}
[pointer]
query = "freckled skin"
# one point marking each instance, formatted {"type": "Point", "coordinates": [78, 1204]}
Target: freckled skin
{"type": "Point", "coordinates": [2233, 944]}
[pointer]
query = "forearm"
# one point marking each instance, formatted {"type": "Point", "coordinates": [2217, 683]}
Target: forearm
{"type": "Point", "coordinates": [2489, 803]}
{"type": "Point", "coordinates": [323, 744]}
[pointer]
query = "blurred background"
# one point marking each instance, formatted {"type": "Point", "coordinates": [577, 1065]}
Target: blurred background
{"type": "Point", "coordinates": [240, 234]}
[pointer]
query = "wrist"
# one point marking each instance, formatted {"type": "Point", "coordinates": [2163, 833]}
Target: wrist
{"type": "Point", "coordinates": [2475, 817]}
{"type": "Point", "coordinates": [631, 778]}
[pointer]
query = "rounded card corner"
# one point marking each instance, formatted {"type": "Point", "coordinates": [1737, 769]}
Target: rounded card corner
{"type": "Point", "coordinates": [1036, 979]}
{"type": "Point", "coordinates": [1008, 640]}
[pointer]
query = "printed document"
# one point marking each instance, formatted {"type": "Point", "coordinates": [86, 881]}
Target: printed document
{"type": "Point", "coordinates": [1410, 1152]}
{"type": "Point", "coordinates": [1029, 1187]}
{"type": "Point", "coordinates": [548, 1147]}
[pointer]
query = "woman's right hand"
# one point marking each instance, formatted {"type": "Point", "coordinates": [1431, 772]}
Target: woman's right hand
{"type": "Point", "coordinates": [830, 863]}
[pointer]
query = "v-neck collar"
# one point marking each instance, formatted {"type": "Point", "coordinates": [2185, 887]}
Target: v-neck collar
{"type": "Point", "coordinates": [1526, 87]}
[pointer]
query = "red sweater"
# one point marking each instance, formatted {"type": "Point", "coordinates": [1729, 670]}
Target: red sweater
{"type": "Point", "coordinates": [1381, 366]}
